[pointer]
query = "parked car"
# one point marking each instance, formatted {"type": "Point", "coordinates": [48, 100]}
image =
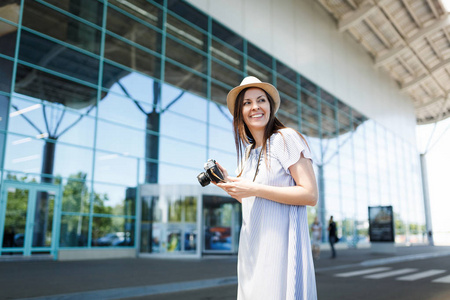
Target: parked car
{"type": "Point", "coordinates": [114, 239]}
{"type": "Point", "coordinates": [110, 239]}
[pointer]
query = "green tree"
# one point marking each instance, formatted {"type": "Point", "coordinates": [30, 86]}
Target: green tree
{"type": "Point", "coordinates": [76, 194]}
{"type": "Point", "coordinates": [15, 215]}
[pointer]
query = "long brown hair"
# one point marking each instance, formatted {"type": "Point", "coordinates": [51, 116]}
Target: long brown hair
{"type": "Point", "coordinates": [242, 135]}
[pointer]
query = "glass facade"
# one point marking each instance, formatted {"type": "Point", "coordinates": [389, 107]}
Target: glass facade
{"type": "Point", "coordinates": [100, 97]}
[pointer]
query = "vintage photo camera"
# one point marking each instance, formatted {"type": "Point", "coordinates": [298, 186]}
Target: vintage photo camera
{"type": "Point", "coordinates": [212, 173]}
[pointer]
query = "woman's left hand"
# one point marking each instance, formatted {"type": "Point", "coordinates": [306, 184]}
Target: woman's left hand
{"type": "Point", "coordinates": [238, 188]}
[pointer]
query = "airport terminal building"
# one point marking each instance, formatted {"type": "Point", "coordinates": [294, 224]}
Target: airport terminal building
{"type": "Point", "coordinates": [110, 108]}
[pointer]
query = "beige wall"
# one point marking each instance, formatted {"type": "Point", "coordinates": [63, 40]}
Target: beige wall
{"type": "Point", "coordinates": [304, 36]}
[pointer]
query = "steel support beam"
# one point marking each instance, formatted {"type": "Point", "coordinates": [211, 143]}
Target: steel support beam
{"type": "Point", "coordinates": [393, 53]}
{"type": "Point", "coordinates": [355, 17]}
{"type": "Point", "coordinates": [422, 78]}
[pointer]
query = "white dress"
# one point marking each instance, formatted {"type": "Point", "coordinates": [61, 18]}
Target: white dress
{"type": "Point", "coordinates": [275, 260]}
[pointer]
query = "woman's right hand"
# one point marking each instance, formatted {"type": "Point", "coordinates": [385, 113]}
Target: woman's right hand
{"type": "Point", "coordinates": [227, 179]}
{"type": "Point", "coordinates": [224, 171]}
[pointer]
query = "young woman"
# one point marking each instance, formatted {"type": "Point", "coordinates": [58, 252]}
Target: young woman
{"type": "Point", "coordinates": [275, 183]}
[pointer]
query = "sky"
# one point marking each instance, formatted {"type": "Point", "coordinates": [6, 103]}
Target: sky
{"type": "Point", "coordinates": [438, 171]}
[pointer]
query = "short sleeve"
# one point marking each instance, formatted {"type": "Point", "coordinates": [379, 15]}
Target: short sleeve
{"type": "Point", "coordinates": [288, 147]}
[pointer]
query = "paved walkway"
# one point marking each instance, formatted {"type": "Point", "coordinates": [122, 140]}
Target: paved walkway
{"type": "Point", "coordinates": [127, 278]}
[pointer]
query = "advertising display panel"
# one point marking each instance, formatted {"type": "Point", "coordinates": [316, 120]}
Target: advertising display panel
{"type": "Point", "coordinates": [381, 224]}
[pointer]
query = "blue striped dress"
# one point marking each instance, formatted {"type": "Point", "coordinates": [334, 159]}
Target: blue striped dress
{"type": "Point", "coordinates": [275, 260]}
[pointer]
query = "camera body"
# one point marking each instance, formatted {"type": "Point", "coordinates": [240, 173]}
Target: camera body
{"type": "Point", "coordinates": [212, 173]}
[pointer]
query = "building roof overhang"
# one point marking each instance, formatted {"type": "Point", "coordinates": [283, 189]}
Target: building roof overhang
{"type": "Point", "coordinates": [410, 41]}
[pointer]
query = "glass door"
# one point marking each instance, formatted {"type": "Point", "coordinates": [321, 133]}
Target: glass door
{"type": "Point", "coordinates": [221, 224]}
{"type": "Point", "coordinates": [27, 219]}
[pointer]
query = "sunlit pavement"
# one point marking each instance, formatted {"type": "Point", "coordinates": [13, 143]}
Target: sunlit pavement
{"type": "Point", "coordinates": [213, 277]}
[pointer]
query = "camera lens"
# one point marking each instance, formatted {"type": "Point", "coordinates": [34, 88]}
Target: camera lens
{"type": "Point", "coordinates": [203, 179]}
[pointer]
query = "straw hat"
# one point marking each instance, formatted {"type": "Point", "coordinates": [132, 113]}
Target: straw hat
{"type": "Point", "coordinates": [251, 81]}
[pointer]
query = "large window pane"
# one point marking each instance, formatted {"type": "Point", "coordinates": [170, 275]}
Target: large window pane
{"type": "Point", "coordinates": [132, 30]}
{"type": "Point", "coordinates": [45, 53]}
{"type": "Point", "coordinates": [76, 129]}
{"type": "Point", "coordinates": [219, 94]}
{"type": "Point", "coordinates": [286, 72]}
{"type": "Point", "coordinates": [309, 116]}
{"type": "Point", "coordinates": [329, 129]}
{"type": "Point", "coordinates": [221, 139]}
{"type": "Point", "coordinates": [120, 139]}
{"type": "Point", "coordinates": [6, 68]}
{"type": "Point", "coordinates": [259, 56]}
{"type": "Point", "coordinates": [180, 102]}
{"type": "Point", "coordinates": [225, 75]}
{"type": "Point", "coordinates": [289, 106]}
{"type": "Point", "coordinates": [91, 11]}
{"type": "Point", "coordinates": [2, 147]}
{"type": "Point", "coordinates": [219, 115]}
{"type": "Point", "coordinates": [124, 110]}
{"type": "Point", "coordinates": [227, 36]}
{"type": "Point", "coordinates": [74, 231]}
{"type": "Point", "coordinates": [115, 168]}
{"type": "Point", "coordinates": [288, 119]}
{"type": "Point", "coordinates": [309, 100]}
{"type": "Point", "coordinates": [186, 56]}
{"type": "Point", "coordinates": [328, 111]}
{"type": "Point", "coordinates": [112, 232]}
{"type": "Point", "coordinates": [114, 200]}
{"type": "Point", "coordinates": [7, 47]}
{"type": "Point", "coordinates": [308, 86]}
{"type": "Point", "coordinates": [262, 73]}
{"type": "Point", "coordinates": [287, 87]}
{"type": "Point", "coordinates": [45, 86]}
{"type": "Point", "coordinates": [141, 9]}
{"type": "Point", "coordinates": [24, 154]}
{"type": "Point", "coordinates": [70, 161]}
{"type": "Point", "coordinates": [76, 194]}
{"type": "Point", "coordinates": [131, 56]}
{"type": "Point", "coordinates": [344, 121]}
{"type": "Point", "coordinates": [189, 13]}
{"type": "Point", "coordinates": [192, 131]}
{"type": "Point", "coordinates": [185, 33]}
{"type": "Point", "coordinates": [7, 38]}
{"type": "Point", "coordinates": [30, 155]}
{"type": "Point", "coordinates": [132, 86]}
{"type": "Point", "coordinates": [43, 19]}
{"type": "Point", "coordinates": [10, 10]}
{"type": "Point", "coordinates": [182, 153]}
{"type": "Point", "coordinates": [184, 79]}
{"type": "Point", "coordinates": [54, 121]}
{"type": "Point", "coordinates": [172, 174]}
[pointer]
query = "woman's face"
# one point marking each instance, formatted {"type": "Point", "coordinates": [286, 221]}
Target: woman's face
{"type": "Point", "coordinates": [255, 109]}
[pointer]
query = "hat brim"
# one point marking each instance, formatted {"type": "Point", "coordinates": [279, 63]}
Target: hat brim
{"type": "Point", "coordinates": [270, 89]}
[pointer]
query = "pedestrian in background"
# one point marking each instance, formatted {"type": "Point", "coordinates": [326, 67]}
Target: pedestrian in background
{"type": "Point", "coordinates": [276, 182]}
{"type": "Point", "coordinates": [316, 237]}
{"type": "Point", "coordinates": [332, 236]}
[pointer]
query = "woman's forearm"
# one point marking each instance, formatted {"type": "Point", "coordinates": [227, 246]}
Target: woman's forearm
{"type": "Point", "coordinates": [292, 195]}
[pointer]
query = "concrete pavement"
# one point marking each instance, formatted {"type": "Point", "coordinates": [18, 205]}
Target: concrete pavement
{"type": "Point", "coordinates": [143, 277]}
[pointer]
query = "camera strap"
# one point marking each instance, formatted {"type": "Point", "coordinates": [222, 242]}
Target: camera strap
{"type": "Point", "coordinates": [257, 166]}
{"type": "Point", "coordinates": [247, 156]}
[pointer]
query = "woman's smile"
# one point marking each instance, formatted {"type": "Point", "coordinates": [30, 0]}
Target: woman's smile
{"type": "Point", "coordinates": [257, 116]}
